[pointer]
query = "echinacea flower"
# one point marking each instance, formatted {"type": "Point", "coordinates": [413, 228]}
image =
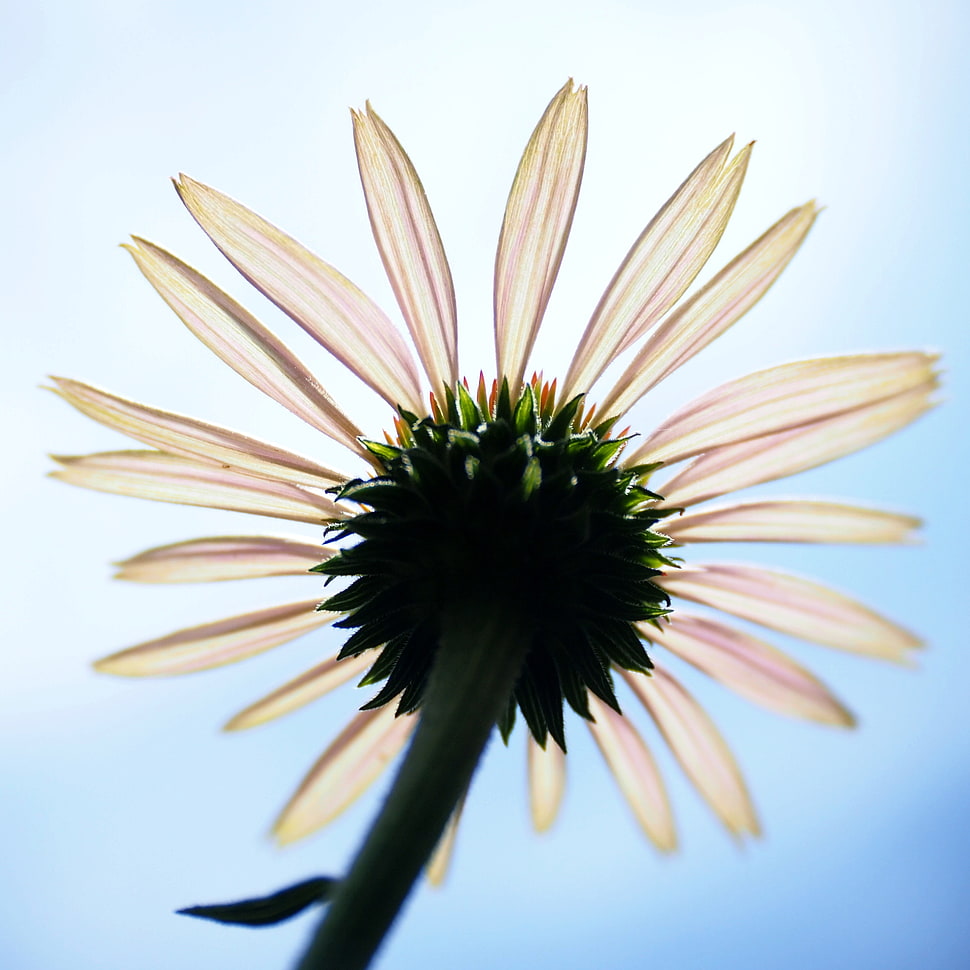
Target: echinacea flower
{"type": "Point", "coordinates": [525, 487]}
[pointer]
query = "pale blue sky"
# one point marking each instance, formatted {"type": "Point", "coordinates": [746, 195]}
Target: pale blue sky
{"type": "Point", "coordinates": [122, 800]}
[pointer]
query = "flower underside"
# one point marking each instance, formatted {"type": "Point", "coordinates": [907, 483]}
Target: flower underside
{"type": "Point", "coordinates": [518, 503]}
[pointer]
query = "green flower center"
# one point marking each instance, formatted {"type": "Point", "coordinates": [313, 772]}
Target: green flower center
{"type": "Point", "coordinates": [518, 502]}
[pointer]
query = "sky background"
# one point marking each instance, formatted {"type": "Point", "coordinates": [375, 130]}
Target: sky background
{"type": "Point", "coordinates": [122, 801]}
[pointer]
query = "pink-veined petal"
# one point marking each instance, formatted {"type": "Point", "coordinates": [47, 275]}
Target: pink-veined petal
{"type": "Point", "coordinates": [636, 773]}
{"type": "Point", "coordinates": [697, 744]}
{"type": "Point", "coordinates": [441, 857]}
{"type": "Point", "coordinates": [181, 435]}
{"type": "Point", "coordinates": [311, 685]}
{"type": "Point", "coordinates": [237, 338]}
{"type": "Point", "coordinates": [169, 478]}
{"type": "Point", "coordinates": [790, 520]}
{"type": "Point", "coordinates": [538, 216]}
{"type": "Point", "coordinates": [793, 605]}
{"type": "Point", "coordinates": [351, 764]}
{"type": "Point", "coordinates": [662, 263]}
{"type": "Point", "coordinates": [547, 782]}
{"type": "Point", "coordinates": [750, 667]}
{"type": "Point", "coordinates": [217, 643]}
{"type": "Point", "coordinates": [410, 246]}
{"type": "Point", "coordinates": [712, 310]}
{"type": "Point", "coordinates": [322, 301]}
{"type": "Point", "coordinates": [783, 397]}
{"type": "Point", "coordinates": [784, 453]}
{"type": "Point", "coordinates": [221, 558]}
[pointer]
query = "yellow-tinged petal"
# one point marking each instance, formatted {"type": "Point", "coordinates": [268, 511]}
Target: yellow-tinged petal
{"type": "Point", "coordinates": [793, 605]}
{"type": "Point", "coordinates": [214, 644]}
{"type": "Point", "coordinates": [547, 782]}
{"type": "Point", "coordinates": [697, 744]}
{"type": "Point", "coordinates": [662, 263]}
{"type": "Point", "coordinates": [320, 299]}
{"type": "Point", "coordinates": [410, 246]}
{"type": "Point", "coordinates": [441, 857]}
{"type": "Point", "coordinates": [351, 764]}
{"type": "Point", "coordinates": [538, 216]}
{"type": "Point", "coordinates": [750, 667]}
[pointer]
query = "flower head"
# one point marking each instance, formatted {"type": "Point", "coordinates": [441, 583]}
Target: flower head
{"type": "Point", "coordinates": [523, 489]}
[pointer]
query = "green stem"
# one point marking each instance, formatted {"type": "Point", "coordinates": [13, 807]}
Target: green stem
{"type": "Point", "coordinates": [477, 663]}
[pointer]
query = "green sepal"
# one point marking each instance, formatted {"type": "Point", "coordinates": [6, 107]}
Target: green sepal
{"type": "Point", "coordinates": [267, 910]}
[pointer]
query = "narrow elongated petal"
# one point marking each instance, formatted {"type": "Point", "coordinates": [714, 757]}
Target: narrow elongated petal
{"type": "Point", "coordinates": [732, 467]}
{"type": "Point", "coordinates": [180, 435]}
{"type": "Point", "coordinates": [308, 687]}
{"type": "Point", "coordinates": [710, 311]}
{"type": "Point", "coordinates": [222, 558]}
{"type": "Point", "coordinates": [236, 337]}
{"type": "Point", "coordinates": [215, 644]}
{"type": "Point", "coordinates": [351, 764]}
{"type": "Point", "coordinates": [790, 520]}
{"type": "Point", "coordinates": [321, 300]}
{"type": "Point", "coordinates": [547, 782]}
{"type": "Point", "coordinates": [410, 246]}
{"type": "Point", "coordinates": [441, 857]}
{"type": "Point", "coordinates": [170, 478]}
{"type": "Point", "coordinates": [697, 744]}
{"type": "Point", "coordinates": [538, 216]}
{"type": "Point", "coordinates": [635, 772]}
{"type": "Point", "coordinates": [662, 263]}
{"type": "Point", "coordinates": [793, 605]}
{"type": "Point", "coordinates": [783, 397]}
{"type": "Point", "coordinates": [750, 667]}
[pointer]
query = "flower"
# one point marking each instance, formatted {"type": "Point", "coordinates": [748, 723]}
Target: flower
{"type": "Point", "coordinates": [752, 430]}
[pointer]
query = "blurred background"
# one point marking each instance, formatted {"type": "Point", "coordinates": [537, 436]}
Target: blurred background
{"type": "Point", "coordinates": [123, 800]}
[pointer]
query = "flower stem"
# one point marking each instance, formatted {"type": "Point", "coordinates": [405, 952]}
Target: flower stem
{"type": "Point", "coordinates": [476, 665]}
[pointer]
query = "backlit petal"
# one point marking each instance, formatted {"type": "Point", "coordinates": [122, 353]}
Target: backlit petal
{"type": "Point", "coordinates": [547, 782]}
{"type": "Point", "coordinates": [441, 857]}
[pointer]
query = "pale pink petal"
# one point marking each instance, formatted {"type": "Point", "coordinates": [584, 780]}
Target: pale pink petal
{"type": "Point", "coordinates": [410, 246]}
{"type": "Point", "coordinates": [710, 311]}
{"type": "Point", "coordinates": [635, 772]}
{"type": "Point", "coordinates": [547, 782]}
{"type": "Point", "coordinates": [170, 478]}
{"type": "Point", "coordinates": [783, 397]}
{"type": "Point", "coordinates": [242, 342]}
{"type": "Point", "coordinates": [764, 459]}
{"type": "Point", "coordinates": [214, 644]}
{"type": "Point", "coordinates": [697, 744]}
{"type": "Point", "coordinates": [752, 668]}
{"type": "Point", "coordinates": [538, 216]}
{"type": "Point", "coordinates": [351, 764]}
{"type": "Point", "coordinates": [793, 605]}
{"type": "Point", "coordinates": [441, 857]}
{"type": "Point", "coordinates": [222, 558]}
{"type": "Point", "coordinates": [790, 520]}
{"type": "Point", "coordinates": [180, 435]}
{"type": "Point", "coordinates": [662, 263]}
{"type": "Point", "coordinates": [321, 300]}
{"type": "Point", "coordinates": [308, 687]}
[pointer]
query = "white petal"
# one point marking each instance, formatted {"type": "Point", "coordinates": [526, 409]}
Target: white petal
{"type": "Point", "coordinates": [790, 520]}
{"type": "Point", "coordinates": [769, 457]}
{"type": "Point", "coordinates": [783, 397]}
{"type": "Point", "coordinates": [214, 644]}
{"type": "Point", "coordinates": [410, 246]}
{"type": "Point", "coordinates": [538, 216]}
{"type": "Point", "coordinates": [547, 782]}
{"type": "Point", "coordinates": [710, 311]}
{"type": "Point", "coordinates": [222, 558]}
{"type": "Point", "coordinates": [308, 687]}
{"type": "Point", "coordinates": [441, 857]}
{"type": "Point", "coordinates": [662, 263]}
{"type": "Point", "coordinates": [793, 605]}
{"type": "Point", "coordinates": [635, 772]}
{"type": "Point", "coordinates": [180, 435]}
{"type": "Point", "coordinates": [169, 478]}
{"type": "Point", "coordinates": [752, 668]}
{"type": "Point", "coordinates": [344, 772]}
{"type": "Point", "coordinates": [241, 341]}
{"type": "Point", "coordinates": [321, 300]}
{"type": "Point", "coordinates": [697, 744]}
